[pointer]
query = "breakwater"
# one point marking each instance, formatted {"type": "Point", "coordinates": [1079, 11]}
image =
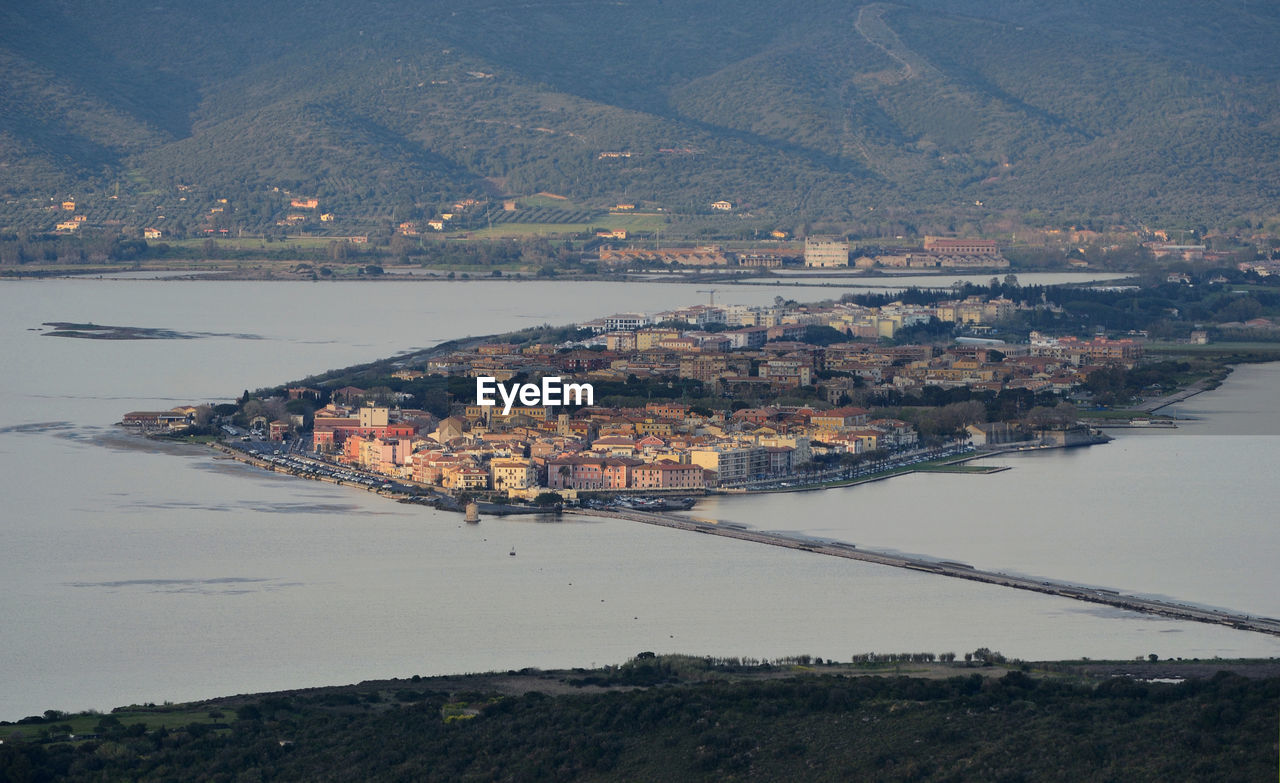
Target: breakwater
{"type": "Point", "coordinates": [728, 529]}
{"type": "Point", "coordinates": [1192, 390]}
{"type": "Point", "coordinates": [1171, 609]}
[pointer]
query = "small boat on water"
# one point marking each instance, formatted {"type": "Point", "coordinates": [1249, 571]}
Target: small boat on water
{"type": "Point", "coordinates": [513, 551]}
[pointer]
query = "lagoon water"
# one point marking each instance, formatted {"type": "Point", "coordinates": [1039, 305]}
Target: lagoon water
{"type": "Point", "coordinates": [1188, 514]}
{"type": "Point", "coordinates": [130, 573]}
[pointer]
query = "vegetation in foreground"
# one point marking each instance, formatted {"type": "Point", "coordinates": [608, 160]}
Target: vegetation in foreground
{"type": "Point", "coordinates": [681, 718]}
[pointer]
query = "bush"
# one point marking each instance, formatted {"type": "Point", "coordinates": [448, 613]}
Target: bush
{"type": "Point", "coordinates": [548, 499]}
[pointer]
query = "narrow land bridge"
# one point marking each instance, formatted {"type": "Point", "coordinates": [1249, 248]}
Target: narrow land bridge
{"type": "Point", "coordinates": [1095, 595]}
{"type": "Point", "coordinates": [1134, 603]}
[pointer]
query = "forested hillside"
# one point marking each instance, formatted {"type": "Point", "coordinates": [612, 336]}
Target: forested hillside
{"type": "Point", "coordinates": [1127, 111]}
{"type": "Point", "coordinates": [670, 718]}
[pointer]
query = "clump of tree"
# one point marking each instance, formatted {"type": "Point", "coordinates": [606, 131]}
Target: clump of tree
{"type": "Point", "coordinates": [1058, 417]}
{"type": "Point", "coordinates": [547, 499]}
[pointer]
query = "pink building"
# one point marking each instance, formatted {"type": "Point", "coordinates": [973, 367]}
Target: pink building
{"type": "Point", "coordinates": [329, 433]}
{"type": "Point", "coordinates": [581, 472]}
{"type": "Point", "coordinates": [667, 475]}
{"type": "Point", "coordinates": [576, 473]}
{"type": "Point", "coordinates": [429, 466]}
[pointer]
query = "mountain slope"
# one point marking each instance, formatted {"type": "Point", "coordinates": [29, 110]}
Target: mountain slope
{"type": "Point", "coordinates": [1119, 110]}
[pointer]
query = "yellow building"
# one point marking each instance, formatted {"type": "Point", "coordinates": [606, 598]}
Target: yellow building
{"type": "Point", "coordinates": [374, 416]}
{"type": "Point", "coordinates": [370, 455]}
{"type": "Point", "coordinates": [494, 412]}
{"type": "Point", "coordinates": [655, 427]}
{"type": "Point", "coordinates": [512, 474]}
{"type": "Point", "coordinates": [652, 338]}
{"type": "Point", "coordinates": [465, 478]}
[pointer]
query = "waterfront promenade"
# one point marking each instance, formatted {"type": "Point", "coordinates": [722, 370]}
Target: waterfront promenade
{"type": "Point", "coordinates": [1097, 595]}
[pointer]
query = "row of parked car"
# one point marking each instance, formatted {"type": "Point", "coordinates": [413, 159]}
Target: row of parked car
{"type": "Point", "coordinates": [312, 468]}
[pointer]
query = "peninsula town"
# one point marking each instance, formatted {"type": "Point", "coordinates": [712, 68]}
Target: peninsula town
{"type": "Point", "coordinates": [700, 398]}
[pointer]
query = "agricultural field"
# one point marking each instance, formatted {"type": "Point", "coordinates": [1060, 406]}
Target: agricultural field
{"type": "Point", "coordinates": [560, 218]}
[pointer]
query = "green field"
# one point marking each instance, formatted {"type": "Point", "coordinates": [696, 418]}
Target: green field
{"type": "Point", "coordinates": [520, 230]}
{"type": "Point", "coordinates": [634, 221]}
{"type": "Point", "coordinates": [166, 717]}
{"type": "Point", "coordinates": [546, 201]}
{"type": "Point", "coordinates": [255, 243]}
{"type": "Point", "coordinates": [514, 226]}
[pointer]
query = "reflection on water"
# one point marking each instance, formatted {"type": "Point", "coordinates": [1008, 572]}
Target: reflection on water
{"type": "Point", "coordinates": [258, 507]}
{"type": "Point", "coordinates": [227, 585]}
{"type": "Point", "coordinates": [36, 428]}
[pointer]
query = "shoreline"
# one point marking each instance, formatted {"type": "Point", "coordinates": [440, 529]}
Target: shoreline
{"type": "Point", "coordinates": [238, 455]}
{"type": "Point", "coordinates": [1196, 387]}
{"type": "Point", "coordinates": [701, 275]}
{"type": "Point", "coordinates": [942, 567]}
{"type": "Point", "coordinates": [929, 564]}
{"type": "Point", "coordinates": [395, 489]}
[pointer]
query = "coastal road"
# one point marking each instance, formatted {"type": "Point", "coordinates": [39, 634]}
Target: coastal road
{"type": "Point", "coordinates": [1171, 609]}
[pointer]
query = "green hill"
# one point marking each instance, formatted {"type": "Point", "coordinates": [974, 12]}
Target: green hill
{"type": "Point", "coordinates": [678, 718]}
{"type": "Point", "coordinates": [1128, 111]}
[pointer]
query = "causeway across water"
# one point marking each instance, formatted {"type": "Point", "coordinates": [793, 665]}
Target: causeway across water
{"type": "Point", "coordinates": [1095, 595]}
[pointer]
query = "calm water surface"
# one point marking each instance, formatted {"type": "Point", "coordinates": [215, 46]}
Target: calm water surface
{"type": "Point", "coordinates": [131, 574]}
{"type": "Point", "coordinates": [1188, 513]}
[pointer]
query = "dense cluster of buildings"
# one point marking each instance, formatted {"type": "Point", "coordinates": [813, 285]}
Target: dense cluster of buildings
{"type": "Point", "coordinates": [938, 253]}
{"type": "Point", "coordinates": [664, 446]}
{"type": "Point", "coordinates": [702, 256]}
{"type": "Point", "coordinates": [668, 445]}
{"type": "Point", "coordinates": [153, 421]}
{"type": "Point", "coordinates": [753, 354]}
{"type": "Point", "coordinates": [751, 327]}
{"type": "Point", "coordinates": [818, 252]}
{"type": "Point", "coordinates": [1260, 268]}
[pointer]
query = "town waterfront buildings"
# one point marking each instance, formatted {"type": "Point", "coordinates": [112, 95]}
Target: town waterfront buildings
{"type": "Point", "coordinates": [754, 356]}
